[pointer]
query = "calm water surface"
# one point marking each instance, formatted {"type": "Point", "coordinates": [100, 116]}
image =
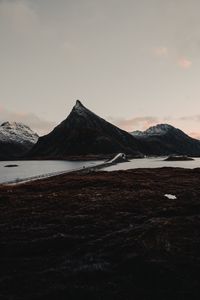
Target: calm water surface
{"type": "Point", "coordinates": [37, 169]}
{"type": "Point", "coordinates": [28, 169]}
{"type": "Point", "coordinates": [155, 163]}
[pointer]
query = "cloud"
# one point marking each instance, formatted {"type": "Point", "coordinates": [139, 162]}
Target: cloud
{"type": "Point", "coordinates": [188, 124]}
{"type": "Point", "coordinates": [195, 118]}
{"type": "Point", "coordinates": [43, 127]}
{"type": "Point", "coordinates": [138, 123]}
{"type": "Point", "coordinates": [184, 62]}
{"type": "Point", "coordinates": [161, 51]}
{"type": "Point", "coordinates": [33, 121]}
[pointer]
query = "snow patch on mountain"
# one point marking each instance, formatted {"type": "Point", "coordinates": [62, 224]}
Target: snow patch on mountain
{"type": "Point", "coordinates": [13, 132]}
{"type": "Point", "coordinates": [82, 111]}
{"type": "Point", "coordinates": [160, 129]}
{"type": "Point", "coordinates": [137, 133]}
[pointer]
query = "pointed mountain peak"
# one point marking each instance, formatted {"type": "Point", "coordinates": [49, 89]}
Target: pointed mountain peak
{"type": "Point", "coordinates": [80, 109]}
{"type": "Point", "coordinates": [78, 104]}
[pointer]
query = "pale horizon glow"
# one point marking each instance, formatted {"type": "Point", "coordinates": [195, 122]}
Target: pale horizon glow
{"type": "Point", "coordinates": [134, 63]}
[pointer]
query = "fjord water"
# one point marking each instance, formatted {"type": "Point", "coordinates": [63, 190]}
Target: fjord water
{"type": "Point", "coordinates": [38, 168]}
{"type": "Point", "coordinates": [155, 163]}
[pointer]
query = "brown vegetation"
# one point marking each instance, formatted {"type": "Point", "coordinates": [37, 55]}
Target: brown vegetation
{"type": "Point", "coordinates": [102, 236]}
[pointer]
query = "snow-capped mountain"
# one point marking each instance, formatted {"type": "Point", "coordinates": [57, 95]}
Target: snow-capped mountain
{"type": "Point", "coordinates": [15, 139]}
{"type": "Point", "coordinates": [160, 129]}
{"type": "Point", "coordinates": [85, 133]}
{"type": "Point", "coordinates": [164, 139]}
{"type": "Point", "coordinates": [17, 133]}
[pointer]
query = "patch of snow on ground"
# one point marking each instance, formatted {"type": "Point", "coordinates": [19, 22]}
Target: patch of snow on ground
{"type": "Point", "coordinates": [170, 196]}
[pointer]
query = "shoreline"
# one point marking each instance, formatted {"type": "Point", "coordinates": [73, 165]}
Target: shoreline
{"type": "Point", "coordinates": [95, 168]}
{"type": "Point", "coordinates": [106, 166]}
{"type": "Point", "coordinates": [89, 157]}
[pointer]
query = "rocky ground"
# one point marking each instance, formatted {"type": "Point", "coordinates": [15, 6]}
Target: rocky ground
{"type": "Point", "coordinates": [102, 236]}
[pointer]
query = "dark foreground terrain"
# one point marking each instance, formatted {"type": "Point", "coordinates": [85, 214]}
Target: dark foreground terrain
{"type": "Point", "coordinates": [102, 236]}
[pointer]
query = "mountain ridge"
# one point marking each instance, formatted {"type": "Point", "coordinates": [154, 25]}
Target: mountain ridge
{"type": "Point", "coordinates": [85, 133]}
{"type": "Point", "coordinates": [165, 139]}
{"type": "Point", "coordinates": [15, 140]}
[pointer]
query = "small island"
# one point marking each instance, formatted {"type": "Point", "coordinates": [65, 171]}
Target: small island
{"type": "Point", "coordinates": [178, 158]}
{"type": "Point", "coordinates": [11, 166]}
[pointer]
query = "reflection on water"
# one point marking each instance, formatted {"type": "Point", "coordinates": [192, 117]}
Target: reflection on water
{"type": "Point", "coordinates": [27, 169]}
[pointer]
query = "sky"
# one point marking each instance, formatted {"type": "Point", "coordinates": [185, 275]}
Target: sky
{"type": "Point", "coordinates": [134, 63]}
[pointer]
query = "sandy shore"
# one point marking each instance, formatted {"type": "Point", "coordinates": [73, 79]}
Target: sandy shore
{"type": "Point", "coordinates": [104, 235]}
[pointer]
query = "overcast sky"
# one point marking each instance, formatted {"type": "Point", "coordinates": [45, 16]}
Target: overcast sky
{"type": "Point", "coordinates": [135, 63]}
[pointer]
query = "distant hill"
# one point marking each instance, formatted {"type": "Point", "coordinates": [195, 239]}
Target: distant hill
{"type": "Point", "coordinates": [85, 133]}
{"type": "Point", "coordinates": [15, 140]}
{"type": "Point", "coordinates": [164, 139]}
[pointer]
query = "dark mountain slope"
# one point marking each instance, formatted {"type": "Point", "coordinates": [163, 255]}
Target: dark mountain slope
{"type": "Point", "coordinates": [164, 139]}
{"type": "Point", "coordinates": [85, 133]}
